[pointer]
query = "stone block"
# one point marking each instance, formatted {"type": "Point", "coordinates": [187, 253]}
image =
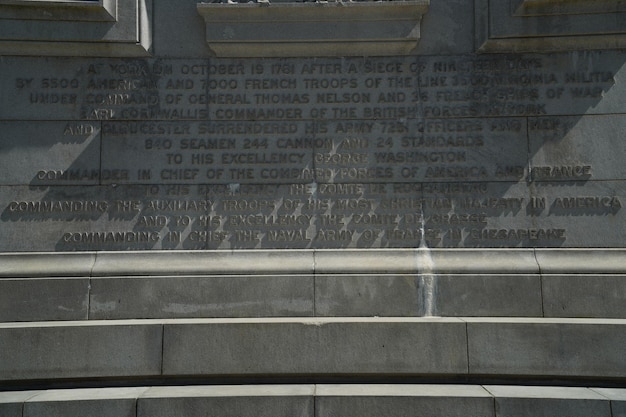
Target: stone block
{"type": "Point", "coordinates": [201, 296]}
{"type": "Point", "coordinates": [618, 400]}
{"type": "Point", "coordinates": [44, 299]}
{"type": "Point", "coordinates": [581, 261]}
{"type": "Point", "coordinates": [487, 295]}
{"type": "Point", "coordinates": [77, 350]}
{"type": "Point", "coordinates": [244, 401]}
{"type": "Point", "coordinates": [109, 402]}
{"type": "Point", "coordinates": [511, 27]}
{"type": "Point", "coordinates": [582, 296]}
{"type": "Point", "coordinates": [30, 265]}
{"type": "Point", "coordinates": [204, 152]}
{"type": "Point", "coordinates": [94, 11]}
{"type": "Point", "coordinates": [546, 347]}
{"type": "Point", "coordinates": [548, 401]}
{"type": "Point", "coordinates": [401, 401]}
{"type": "Point", "coordinates": [366, 295]}
{"type": "Point", "coordinates": [168, 263]}
{"type": "Point", "coordinates": [260, 216]}
{"type": "Point", "coordinates": [11, 402]}
{"type": "Point", "coordinates": [320, 346]}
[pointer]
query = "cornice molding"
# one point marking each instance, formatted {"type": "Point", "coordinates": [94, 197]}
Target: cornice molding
{"type": "Point", "coordinates": [513, 26]}
{"type": "Point", "coordinates": [323, 261]}
{"type": "Point", "coordinates": [102, 28]}
{"type": "Point", "coordinates": [313, 29]}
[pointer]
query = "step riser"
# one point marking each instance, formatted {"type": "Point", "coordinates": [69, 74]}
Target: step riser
{"type": "Point", "coordinates": [506, 348]}
{"type": "Point", "coordinates": [115, 298]}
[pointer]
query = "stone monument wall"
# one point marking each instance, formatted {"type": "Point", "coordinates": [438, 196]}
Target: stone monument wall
{"type": "Point", "coordinates": [314, 209]}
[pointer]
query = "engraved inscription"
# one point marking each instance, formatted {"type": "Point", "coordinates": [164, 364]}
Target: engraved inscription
{"type": "Point", "coordinates": [456, 151]}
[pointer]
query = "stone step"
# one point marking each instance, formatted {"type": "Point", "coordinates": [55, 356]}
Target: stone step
{"type": "Point", "coordinates": [572, 283]}
{"type": "Point", "coordinates": [215, 349]}
{"type": "Point", "coordinates": [318, 401]}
